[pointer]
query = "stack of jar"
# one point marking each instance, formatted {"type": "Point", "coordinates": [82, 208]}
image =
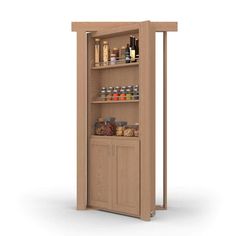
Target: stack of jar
{"type": "Point", "coordinates": [130, 92]}
{"type": "Point", "coordinates": [109, 127]}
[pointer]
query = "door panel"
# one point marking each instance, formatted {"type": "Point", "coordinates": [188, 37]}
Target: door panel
{"type": "Point", "coordinates": [126, 177]}
{"type": "Point", "coordinates": [99, 174]}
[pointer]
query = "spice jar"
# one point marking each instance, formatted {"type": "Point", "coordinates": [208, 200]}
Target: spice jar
{"type": "Point", "coordinates": [100, 127]}
{"type": "Point", "coordinates": [117, 88]}
{"type": "Point", "coordinates": [103, 95]}
{"type": "Point", "coordinates": [115, 95]}
{"type": "Point", "coordinates": [110, 126]}
{"type": "Point", "coordinates": [116, 52]}
{"type": "Point", "coordinates": [128, 94]}
{"type": "Point", "coordinates": [97, 52]}
{"type": "Point", "coordinates": [113, 59]}
{"type": "Point", "coordinates": [120, 128]}
{"type": "Point", "coordinates": [105, 52]}
{"type": "Point", "coordinates": [135, 94]}
{"type": "Point", "coordinates": [136, 129]}
{"type": "Point", "coordinates": [122, 94]}
{"type": "Point", "coordinates": [109, 95]}
{"type": "Point", "coordinates": [128, 131]}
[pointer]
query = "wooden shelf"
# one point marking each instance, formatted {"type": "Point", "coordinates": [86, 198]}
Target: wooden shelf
{"type": "Point", "coordinates": [114, 137]}
{"type": "Point", "coordinates": [115, 66]}
{"type": "Point", "coordinates": [119, 101]}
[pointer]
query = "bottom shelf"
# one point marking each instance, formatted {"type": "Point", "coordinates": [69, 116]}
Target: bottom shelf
{"type": "Point", "coordinates": [114, 137]}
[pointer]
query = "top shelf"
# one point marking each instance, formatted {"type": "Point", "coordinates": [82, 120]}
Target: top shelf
{"type": "Point", "coordinates": [115, 66]}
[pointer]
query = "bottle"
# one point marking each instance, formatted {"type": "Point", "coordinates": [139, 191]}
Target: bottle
{"type": "Point", "coordinates": [97, 52]}
{"type": "Point", "coordinates": [127, 54]}
{"type": "Point", "coordinates": [137, 48]}
{"type": "Point", "coordinates": [105, 52]}
{"type": "Point", "coordinates": [130, 42]}
{"type": "Point", "coordinates": [132, 51]}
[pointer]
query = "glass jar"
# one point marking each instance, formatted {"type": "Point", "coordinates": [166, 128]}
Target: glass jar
{"type": "Point", "coordinates": [103, 95]}
{"type": "Point", "coordinates": [128, 94]}
{"type": "Point", "coordinates": [110, 126]}
{"type": "Point", "coordinates": [109, 95]}
{"type": "Point", "coordinates": [122, 54]}
{"type": "Point", "coordinates": [100, 127]}
{"type": "Point", "coordinates": [136, 129]}
{"type": "Point", "coordinates": [116, 52]}
{"type": "Point", "coordinates": [105, 52]}
{"type": "Point", "coordinates": [135, 94]}
{"type": "Point", "coordinates": [115, 96]}
{"type": "Point", "coordinates": [97, 52]}
{"type": "Point", "coordinates": [120, 127]}
{"type": "Point", "coordinates": [117, 88]}
{"type": "Point", "coordinates": [113, 59]}
{"type": "Point", "coordinates": [122, 95]}
{"type": "Point", "coordinates": [128, 131]}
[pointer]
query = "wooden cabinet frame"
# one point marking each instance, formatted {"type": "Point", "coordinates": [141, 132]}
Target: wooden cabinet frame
{"type": "Point", "coordinates": [146, 106]}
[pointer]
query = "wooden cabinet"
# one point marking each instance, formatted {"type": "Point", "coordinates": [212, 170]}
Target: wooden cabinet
{"type": "Point", "coordinates": [99, 174]}
{"type": "Point", "coordinates": [113, 175]}
{"type": "Point", "coordinates": [126, 180]}
{"type": "Point", "coordinates": [117, 174]}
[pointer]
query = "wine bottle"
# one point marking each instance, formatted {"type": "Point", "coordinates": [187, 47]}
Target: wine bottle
{"type": "Point", "coordinates": [130, 42]}
{"type": "Point", "coordinates": [132, 51]}
{"type": "Point", "coordinates": [127, 54]}
{"type": "Point", "coordinates": [137, 48]}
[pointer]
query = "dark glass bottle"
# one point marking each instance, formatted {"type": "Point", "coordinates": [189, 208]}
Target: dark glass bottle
{"type": "Point", "coordinates": [137, 48]}
{"type": "Point", "coordinates": [130, 41]}
{"type": "Point", "coordinates": [132, 51]}
{"type": "Point", "coordinates": [127, 54]}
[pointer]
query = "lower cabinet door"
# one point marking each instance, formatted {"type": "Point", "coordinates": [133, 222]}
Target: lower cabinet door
{"type": "Point", "coordinates": [125, 177]}
{"type": "Point", "coordinates": [99, 174]}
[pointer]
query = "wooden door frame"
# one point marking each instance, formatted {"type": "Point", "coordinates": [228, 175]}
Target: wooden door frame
{"type": "Point", "coordinates": [147, 110]}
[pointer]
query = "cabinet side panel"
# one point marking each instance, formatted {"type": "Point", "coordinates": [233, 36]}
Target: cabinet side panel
{"type": "Point", "coordinates": [81, 120]}
{"type": "Point", "coordinates": [147, 119]}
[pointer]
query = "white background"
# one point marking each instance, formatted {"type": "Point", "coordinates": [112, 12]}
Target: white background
{"type": "Point", "coordinates": [38, 118]}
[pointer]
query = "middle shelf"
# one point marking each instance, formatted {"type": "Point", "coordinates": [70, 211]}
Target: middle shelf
{"type": "Point", "coordinates": [112, 101]}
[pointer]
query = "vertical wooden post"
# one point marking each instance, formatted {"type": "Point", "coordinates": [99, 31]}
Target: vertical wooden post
{"type": "Point", "coordinates": [147, 120]}
{"type": "Point", "coordinates": [81, 120]}
{"type": "Point", "coordinates": [165, 120]}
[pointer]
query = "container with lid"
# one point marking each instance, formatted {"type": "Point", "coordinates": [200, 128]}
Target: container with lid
{"type": "Point", "coordinates": [116, 52]}
{"type": "Point", "coordinates": [120, 127]}
{"type": "Point", "coordinates": [122, 54]}
{"type": "Point", "coordinates": [105, 52]}
{"type": "Point", "coordinates": [100, 127]}
{"type": "Point", "coordinates": [109, 95]}
{"type": "Point", "coordinates": [128, 131]}
{"type": "Point", "coordinates": [128, 94]}
{"type": "Point", "coordinates": [122, 94]}
{"type": "Point", "coordinates": [110, 126]}
{"type": "Point", "coordinates": [135, 94]}
{"type": "Point", "coordinates": [97, 52]}
{"type": "Point", "coordinates": [115, 95]}
{"type": "Point", "coordinates": [113, 59]}
{"type": "Point", "coordinates": [103, 95]}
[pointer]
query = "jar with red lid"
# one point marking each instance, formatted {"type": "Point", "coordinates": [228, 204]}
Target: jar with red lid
{"type": "Point", "coordinates": [122, 94]}
{"type": "Point", "coordinates": [115, 95]}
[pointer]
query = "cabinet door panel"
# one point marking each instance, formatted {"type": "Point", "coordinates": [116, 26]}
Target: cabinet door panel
{"type": "Point", "coordinates": [99, 174]}
{"type": "Point", "coordinates": [126, 177]}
